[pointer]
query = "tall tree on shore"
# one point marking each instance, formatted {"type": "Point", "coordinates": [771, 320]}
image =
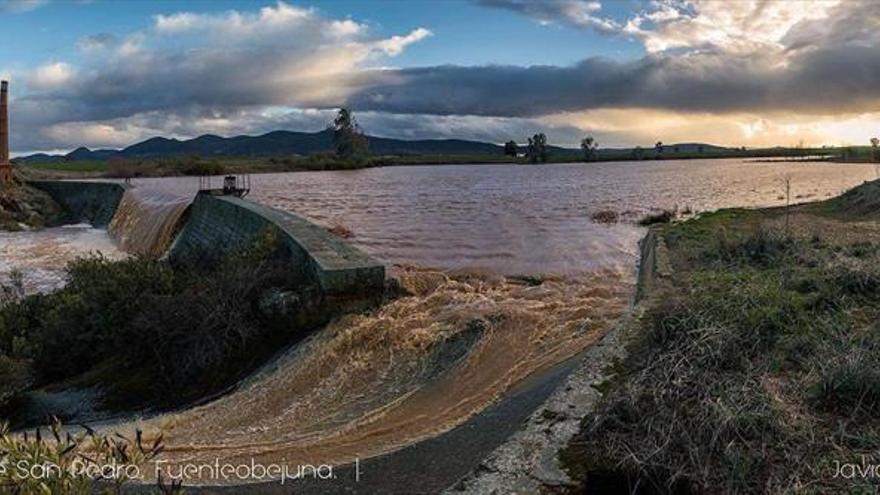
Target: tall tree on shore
{"type": "Point", "coordinates": [537, 149]}
{"type": "Point", "coordinates": [875, 148]}
{"type": "Point", "coordinates": [511, 148]}
{"type": "Point", "coordinates": [589, 145]}
{"type": "Point", "coordinates": [348, 138]}
{"type": "Point", "coordinates": [658, 147]}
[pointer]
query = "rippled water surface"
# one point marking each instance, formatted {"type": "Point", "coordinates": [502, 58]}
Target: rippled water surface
{"type": "Point", "coordinates": [526, 219]}
{"type": "Point", "coordinates": [40, 256]}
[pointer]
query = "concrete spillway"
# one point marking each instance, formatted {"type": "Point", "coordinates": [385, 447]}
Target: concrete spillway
{"type": "Point", "coordinates": [153, 225]}
{"type": "Point", "coordinates": [370, 383]}
{"type": "Point", "coordinates": [145, 223]}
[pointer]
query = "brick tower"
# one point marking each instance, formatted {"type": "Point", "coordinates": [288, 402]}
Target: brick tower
{"type": "Point", "coordinates": [5, 166]}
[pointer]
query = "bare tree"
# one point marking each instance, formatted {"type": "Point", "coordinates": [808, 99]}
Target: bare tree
{"type": "Point", "coordinates": [537, 149]}
{"type": "Point", "coordinates": [511, 148]}
{"type": "Point", "coordinates": [786, 186]}
{"type": "Point", "coordinates": [348, 138]}
{"type": "Point", "coordinates": [589, 145]}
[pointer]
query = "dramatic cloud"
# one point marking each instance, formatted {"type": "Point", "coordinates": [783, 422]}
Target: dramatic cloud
{"type": "Point", "coordinates": [577, 13]}
{"type": "Point", "coordinates": [742, 27]}
{"type": "Point", "coordinates": [741, 69]}
{"type": "Point", "coordinates": [51, 76]}
{"type": "Point", "coordinates": [818, 66]}
{"type": "Point", "coordinates": [833, 79]}
{"type": "Point", "coordinates": [186, 62]}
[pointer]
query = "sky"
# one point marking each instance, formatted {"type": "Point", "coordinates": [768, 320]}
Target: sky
{"type": "Point", "coordinates": [629, 72]}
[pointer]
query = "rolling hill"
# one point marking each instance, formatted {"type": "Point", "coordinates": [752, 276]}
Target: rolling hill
{"type": "Point", "coordinates": [288, 143]}
{"type": "Point", "coordinates": [277, 143]}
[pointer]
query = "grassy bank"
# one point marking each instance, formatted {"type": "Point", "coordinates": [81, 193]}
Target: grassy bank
{"type": "Point", "coordinates": [192, 165]}
{"type": "Point", "coordinates": [756, 367]}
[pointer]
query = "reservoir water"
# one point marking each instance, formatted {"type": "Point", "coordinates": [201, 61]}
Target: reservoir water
{"type": "Point", "coordinates": [518, 219]}
{"type": "Point", "coordinates": [506, 272]}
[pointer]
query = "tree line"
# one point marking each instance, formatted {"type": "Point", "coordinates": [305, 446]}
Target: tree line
{"type": "Point", "coordinates": [536, 148]}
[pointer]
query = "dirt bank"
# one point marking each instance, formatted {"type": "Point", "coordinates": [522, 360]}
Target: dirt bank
{"type": "Point", "coordinates": [24, 207]}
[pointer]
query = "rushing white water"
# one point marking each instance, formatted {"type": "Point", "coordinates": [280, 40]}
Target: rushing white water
{"type": "Point", "coordinates": [41, 255]}
{"type": "Point", "coordinates": [146, 221]}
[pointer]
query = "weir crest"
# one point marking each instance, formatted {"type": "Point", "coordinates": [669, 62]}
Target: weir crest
{"type": "Point", "coordinates": [157, 225]}
{"type": "Point", "coordinates": [146, 222]}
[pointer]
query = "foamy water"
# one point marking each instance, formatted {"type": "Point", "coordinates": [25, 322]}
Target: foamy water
{"type": "Point", "coordinates": [41, 255]}
{"type": "Point", "coordinates": [146, 221]}
{"type": "Point", "coordinates": [468, 330]}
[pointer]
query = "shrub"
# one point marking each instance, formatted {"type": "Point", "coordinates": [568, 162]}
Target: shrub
{"type": "Point", "coordinates": [688, 414]}
{"type": "Point", "coordinates": [14, 378]}
{"type": "Point", "coordinates": [857, 282]}
{"type": "Point", "coordinates": [761, 247]}
{"type": "Point", "coordinates": [147, 331]}
{"type": "Point", "coordinates": [663, 216]}
{"type": "Point", "coordinates": [199, 166]}
{"type": "Point", "coordinates": [752, 378]}
{"type": "Point", "coordinates": [74, 464]}
{"type": "Point", "coordinates": [848, 379]}
{"type": "Point", "coordinates": [604, 216]}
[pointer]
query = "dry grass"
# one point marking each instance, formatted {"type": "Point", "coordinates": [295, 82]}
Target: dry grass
{"type": "Point", "coordinates": [755, 373]}
{"type": "Point", "coordinates": [74, 464]}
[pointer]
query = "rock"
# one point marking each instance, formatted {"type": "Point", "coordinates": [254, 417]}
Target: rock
{"type": "Point", "coordinates": [22, 204]}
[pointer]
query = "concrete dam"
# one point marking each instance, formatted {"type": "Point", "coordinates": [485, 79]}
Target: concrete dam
{"type": "Point", "coordinates": [424, 385]}
{"type": "Point", "coordinates": [150, 224]}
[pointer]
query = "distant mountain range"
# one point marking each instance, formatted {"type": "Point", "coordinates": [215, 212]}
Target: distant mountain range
{"type": "Point", "coordinates": [280, 143]}
{"type": "Point", "coordinates": [276, 143]}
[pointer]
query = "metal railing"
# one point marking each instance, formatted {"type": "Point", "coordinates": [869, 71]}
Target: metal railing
{"type": "Point", "coordinates": [238, 184]}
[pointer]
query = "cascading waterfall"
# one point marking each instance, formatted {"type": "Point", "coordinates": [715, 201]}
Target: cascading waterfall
{"type": "Point", "coordinates": [146, 222]}
{"type": "Point", "coordinates": [371, 383]}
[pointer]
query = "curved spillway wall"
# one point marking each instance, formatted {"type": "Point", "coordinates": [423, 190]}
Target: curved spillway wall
{"type": "Point", "coordinates": [219, 224]}
{"type": "Point", "coordinates": [92, 202]}
{"type": "Point", "coordinates": [214, 226]}
{"type": "Point", "coordinates": [146, 222]}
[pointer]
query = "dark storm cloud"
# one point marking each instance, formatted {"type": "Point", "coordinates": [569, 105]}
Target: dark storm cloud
{"type": "Point", "coordinates": [187, 84]}
{"type": "Point", "coordinates": [829, 66]}
{"type": "Point", "coordinates": [828, 80]}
